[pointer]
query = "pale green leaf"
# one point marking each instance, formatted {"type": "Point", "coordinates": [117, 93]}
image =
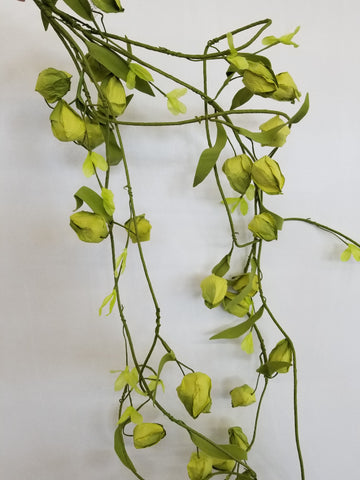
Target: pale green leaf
{"type": "Point", "coordinates": [230, 41]}
{"type": "Point", "coordinates": [141, 72]}
{"type": "Point", "coordinates": [108, 200]}
{"type": "Point", "coordinates": [131, 413]}
{"type": "Point", "coordinates": [244, 207]}
{"type": "Point", "coordinates": [122, 380]}
{"type": "Point", "coordinates": [285, 39]}
{"type": "Point", "coordinates": [88, 167]}
{"type": "Point", "coordinates": [173, 103]}
{"type": "Point", "coordinates": [121, 260]}
{"type": "Point", "coordinates": [109, 299]}
{"type": "Point", "coordinates": [99, 161]}
{"type": "Point", "coordinates": [247, 344]}
{"type": "Point", "coordinates": [250, 192]}
{"type": "Point", "coordinates": [130, 80]}
{"type": "Point", "coordinates": [209, 156]}
{"type": "Point", "coordinates": [355, 251]}
{"type": "Point", "coordinates": [346, 255]}
{"type": "Point", "coordinates": [91, 198]}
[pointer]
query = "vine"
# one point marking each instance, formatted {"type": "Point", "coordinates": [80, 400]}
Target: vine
{"type": "Point", "coordinates": [104, 62]}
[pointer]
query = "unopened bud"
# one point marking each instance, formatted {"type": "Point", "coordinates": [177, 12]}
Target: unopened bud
{"type": "Point", "coordinates": [139, 229]}
{"type": "Point", "coordinates": [242, 281]}
{"type": "Point", "coordinates": [213, 289]}
{"type": "Point", "coordinates": [194, 393]}
{"type": "Point", "coordinates": [281, 353]}
{"type": "Point", "coordinates": [114, 103]}
{"type": "Point", "coordinates": [277, 138]}
{"type": "Point", "coordinates": [238, 437]}
{"type": "Point", "coordinates": [264, 226]}
{"type": "Point", "coordinates": [238, 172]}
{"type": "Point", "coordinates": [242, 396]}
{"type": "Point", "coordinates": [267, 175]}
{"type": "Point", "coordinates": [199, 466]}
{"type": "Point", "coordinates": [258, 79]}
{"type": "Point", "coordinates": [89, 227]}
{"type": "Point", "coordinates": [147, 434]}
{"type": "Point", "coordinates": [53, 84]}
{"type": "Point", "coordinates": [240, 309]}
{"type": "Point", "coordinates": [287, 90]}
{"type": "Point", "coordinates": [93, 136]}
{"type": "Point", "coordinates": [66, 125]}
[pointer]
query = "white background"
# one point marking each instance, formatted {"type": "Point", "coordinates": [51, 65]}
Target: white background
{"type": "Point", "coordinates": [57, 405]}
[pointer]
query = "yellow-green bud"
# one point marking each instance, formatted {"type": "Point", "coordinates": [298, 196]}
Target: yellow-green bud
{"type": "Point", "coordinates": [115, 97]}
{"type": "Point", "coordinates": [98, 70]}
{"type": "Point", "coordinates": [287, 90]}
{"type": "Point", "coordinates": [267, 175]}
{"type": "Point", "coordinates": [199, 466]}
{"type": "Point", "coordinates": [242, 281]}
{"type": "Point", "coordinates": [238, 437]}
{"type": "Point", "coordinates": [278, 137]}
{"type": "Point", "coordinates": [264, 226]}
{"type": "Point", "coordinates": [89, 227]}
{"type": "Point", "coordinates": [239, 309]}
{"type": "Point", "coordinates": [242, 396]}
{"type": "Point", "coordinates": [93, 136]}
{"type": "Point", "coordinates": [141, 226]}
{"type": "Point", "coordinates": [223, 464]}
{"type": "Point", "coordinates": [53, 84]}
{"type": "Point", "coordinates": [238, 172]}
{"type": "Point", "coordinates": [213, 289]}
{"type": "Point", "coordinates": [66, 125]}
{"type": "Point", "coordinates": [281, 353]}
{"type": "Point", "coordinates": [194, 393]}
{"type": "Point", "coordinates": [147, 434]}
{"type": "Point", "coordinates": [258, 79]}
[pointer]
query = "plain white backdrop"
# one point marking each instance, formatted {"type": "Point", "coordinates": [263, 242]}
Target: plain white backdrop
{"type": "Point", "coordinates": [57, 405]}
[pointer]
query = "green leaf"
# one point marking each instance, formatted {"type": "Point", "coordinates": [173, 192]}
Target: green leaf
{"type": "Point", "coordinates": [44, 17]}
{"type": "Point", "coordinates": [250, 192]}
{"type": "Point", "coordinates": [245, 291]}
{"type": "Point", "coordinates": [108, 6]}
{"type": "Point", "coordinates": [91, 198]}
{"type": "Point", "coordinates": [355, 251]}
{"type": "Point", "coordinates": [81, 7]}
{"type": "Point", "coordinates": [121, 260]}
{"type": "Point", "coordinates": [244, 207]}
{"type": "Point", "coordinates": [346, 255]}
{"type": "Point", "coordinates": [173, 103]}
{"type": "Point", "coordinates": [108, 201]}
{"type": "Point", "coordinates": [285, 39]}
{"type": "Point", "coordinates": [241, 97]}
{"type": "Point", "coordinates": [233, 203]}
{"type": "Point", "coordinates": [141, 72]}
{"type": "Point", "coordinates": [168, 357]}
{"type": "Point", "coordinates": [238, 330]}
{"type": "Point", "coordinates": [218, 451]}
{"type": "Point", "coordinates": [114, 153]}
{"type": "Point", "coordinates": [119, 446]}
{"type": "Point", "coordinates": [116, 65]}
{"type": "Point", "coordinates": [279, 221]}
{"type": "Point", "coordinates": [132, 414]}
{"type": "Point", "coordinates": [209, 156]}
{"type": "Point", "coordinates": [269, 368]}
{"type": "Point", "coordinates": [247, 344]}
{"type": "Point", "coordinates": [109, 299]}
{"type": "Point", "coordinates": [300, 114]}
{"type": "Point", "coordinates": [93, 159]}
{"type": "Point", "coordinates": [223, 266]}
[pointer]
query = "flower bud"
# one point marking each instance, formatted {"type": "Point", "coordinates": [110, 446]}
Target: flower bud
{"type": "Point", "coordinates": [53, 84]}
{"type": "Point", "coordinates": [199, 466]}
{"type": "Point", "coordinates": [238, 172]}
{"type": "Point", "coordinates": [242, 281]}
{"type": "Point", "coordinates": [267, 175]}
{"type": "Point", "coordinates": [141, 226]}
{"type": "Point", "coordinates": [66, 125]}
{"type": "Point", "coordinates": [239, 309]}
{"type": "Point", "coordinates": [194, 393]}
{"type": "Point", "coordinates": [89, 227]}
{"type": "Point", "coordinates": [213, 289]}
{"type": "Point", "coordinates": [287, 90]}
{"type": "Point", "coordinates": [264, 226]}
{"type": "Point", "coordinates": [281, 353]}
{"type": "Point", "coordinates": [147, 434]}
{"type": "Point", "coordinates": [242, 396]}
{"type": "Point", "coordinates": [115, 97]}
{"type": "Point", "coordinates": [258, 79]}
{"type": "Point", "coordinates": [238, 437]}
{"type": "Point", "coordinates": [93, 136]}
{"type": "Point", "coordinates": [278, 137]}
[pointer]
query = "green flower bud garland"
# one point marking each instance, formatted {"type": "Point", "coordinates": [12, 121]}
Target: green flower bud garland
{"type": "Point", "coordinates": [108, 74]}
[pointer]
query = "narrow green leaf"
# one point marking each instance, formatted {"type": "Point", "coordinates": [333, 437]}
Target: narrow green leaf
{"type": "Point", "coordinates": [247, 344]}
{"type": "Point", "coordinates": [346, 254]}
{"type": "Point", "coordinates": [238, 330]}
{"type": "Point", "coordinates": [108, 6]}
{"type": "Point", "coordinates": [116, 65]}
{"type": "Point", "coordinates": [44, 17]}
{"type": "Point", "coordinates": [141, 72]}
{"type": "Point", "coordinates": [109, 299]}
{"type": "Point", "coordinates": [81, 7]}
{"type": "Point", "coordinates": [91, 198]}
{"type": "Point", "coordinates": [241, 97]}
{"type": "Point", "coordinates": [113, 151]}
{"type": "Point", "coordinates": [355, 251]}
{"type": "Point", "coordinates": [250, 192]}
{"type": "Point", "coordinates": [218, 451]}
{"type": "Point", "coordinates": [244, 207]}
{"type": "Point", "coordinates": [209, 156]}
{"type": "Point", "coordinates": [121, 260]}
{"type": "Point", "coordinates": [108, 201]}
{"type": "Point", "coordinates": [119, 446]}
{"type": "Point", "coordinates": [300, 114]}
{"type": "Point", "coordinates": [223, 266]}
{"type": "Point", "coordinates": [269, 368]}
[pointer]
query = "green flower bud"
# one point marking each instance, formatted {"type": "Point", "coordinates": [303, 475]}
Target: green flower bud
{"type": "Point", "coordinates": [281, 353]}
{"type": "Point", "coordinates": [98, 70]}
{"type": "Point", "coordinates": [239, 309]}
{"type": "Point", "coordinates": [242, 396]}
{"type": "Point", "coordinates": [115, 97]}
{"type": "Point", "coordinates": [242, 281]}
{"type": "Point", "coordinates": [89, 227]}
{"type": "Point", "coordinates": [213, 289]}
{"type": "Point", "coordinates": [267, 175]}
{"type": "Point", "coordinates": [238, 437]}
{"type": "Point", "coordinates": [199, 466]}
{"type": "Point", "coordinates": [141, 226]}
{"type": "Point", "coordinates": [278, 137]}
{"type": "Point", "coordinates": [287, 90]}
{"type": "Point", "coordinates": [66, 125]}
{"type": "Point", "coordinates": [194, 393]}
{"type": "Point", "coordinates": [238, 172]}
{"type": "Point", "coordinates": [53, 84]}
{"type": "Point", "coordinates": [223, 464]}
{"type": "Point", "coordinates": [258, 79]}
{"type": "Point", "coordinates": [264, 226]}
{"type": "Point", "coordinates": [93, 136]}
{"type": "Point", "coordinates": [147, 434]}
